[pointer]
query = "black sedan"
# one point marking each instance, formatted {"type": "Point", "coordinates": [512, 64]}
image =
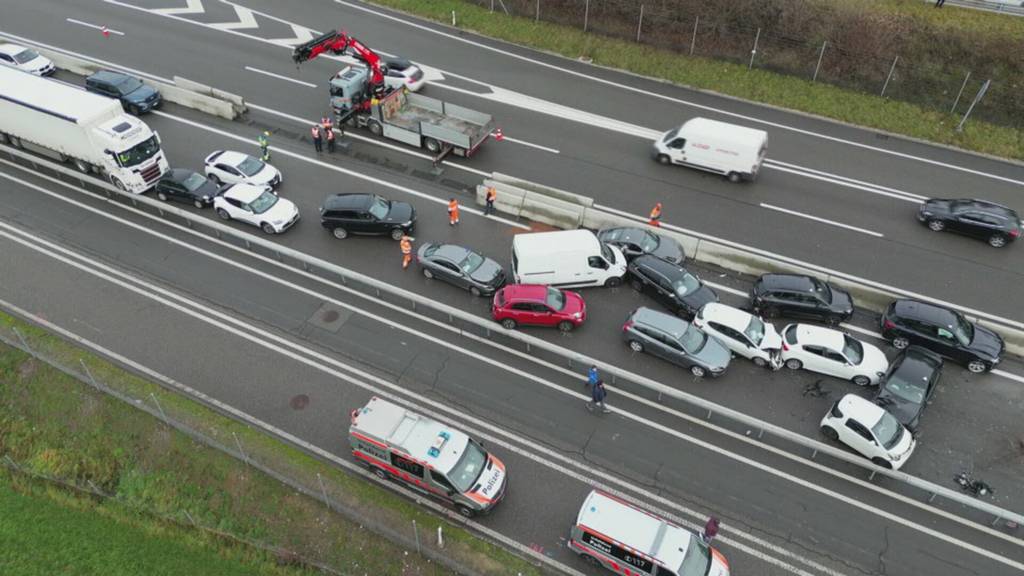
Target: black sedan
{"type": "Point", "coordinates": [670, 284]}
{"type": "Point", "coordinates": [909, 384]}
{"type": "Point", "coordinates": [462, 267]}
{"type": "Point", "coordinates": [636, 241]}
{"type": "Point", "coordinates": [186, 186]}
{"type": "Point", "coordinates": [991, 222]}
{"type": "Point", "coordinates": [802, 296]}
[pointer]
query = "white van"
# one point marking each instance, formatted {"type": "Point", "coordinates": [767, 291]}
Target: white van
{"type": "Point", "coordinates": [567, 258]}
{"type": "Point", "coordinates": [427, 456]}
{"type": "Point", "coordinates": [734, 151]}
{"type": "Point", "coordinates": [628, 540]}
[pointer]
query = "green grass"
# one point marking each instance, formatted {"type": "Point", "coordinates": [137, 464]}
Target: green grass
{"type": "Point", "coordinates": [736, 80]}
{"type": "Point", "coordinates": [54, 425]}
{"type": "Point", "coordinates": [949, 17]}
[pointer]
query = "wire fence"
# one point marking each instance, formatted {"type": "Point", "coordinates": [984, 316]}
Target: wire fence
{"type": "Point", "coordinates": [937, 84]}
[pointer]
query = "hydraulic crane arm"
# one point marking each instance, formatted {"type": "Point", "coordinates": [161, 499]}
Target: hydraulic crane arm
{"type": "Point", "coordinates": [337, 42]}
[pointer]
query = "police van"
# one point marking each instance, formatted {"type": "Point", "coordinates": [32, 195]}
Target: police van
{"type": "Point", "coordinates": [427, 456]}
{"type": "Point", "coordinates": [632, 542]}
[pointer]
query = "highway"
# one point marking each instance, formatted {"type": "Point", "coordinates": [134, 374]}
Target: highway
{"type": "Point", "coordinates": [66, 253]}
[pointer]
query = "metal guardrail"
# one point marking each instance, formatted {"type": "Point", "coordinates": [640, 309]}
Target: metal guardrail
{"type": "Point", "coordinates": [1012, 7]}
{"type": "Point", "coordinates": [473, 325]}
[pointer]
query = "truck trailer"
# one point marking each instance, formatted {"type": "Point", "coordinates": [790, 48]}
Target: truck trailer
{"type": "Point", "coordinates": [90, 131]}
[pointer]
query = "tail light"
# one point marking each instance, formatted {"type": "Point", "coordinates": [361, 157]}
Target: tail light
{"type": "Point", "coordinates": [785, 347]}
{"type": "Point", "coordinates": [888, 325]}
{"type": "Point", "coordinates": [627, 325]}
{"type": "Point", "coordinates": [1015, 233]}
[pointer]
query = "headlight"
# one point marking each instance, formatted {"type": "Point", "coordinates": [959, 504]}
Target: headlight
{"type": "Point", "coordinates": [577, 315]}
{"type": "Point", "coordinates": [206, 198]}
{"type": "Point", "coordinates": [879, 374]}
{"type": "Point", "coordinates": [717, 369]}
{"type": "Point", "coordinates": [895, 457]}
{"type": "Point", "coordinates": [925, 213]}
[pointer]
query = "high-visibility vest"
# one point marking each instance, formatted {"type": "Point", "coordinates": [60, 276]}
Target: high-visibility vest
{"type": "Point", "coordinates": [315, 131]}
{"type": "Point", "coordinates": [453, 206]}
{"type": "Point", "coordinates": [491, 194]}
{"type": "Point", "coordinates": [406, 246]}
{"type": "Point", "coordinates": [656, 212]}
{"type": "Point", "coordinates": [330, 134]}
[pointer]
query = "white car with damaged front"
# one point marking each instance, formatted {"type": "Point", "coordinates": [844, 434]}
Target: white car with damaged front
{"type": "Point", "coordinates": [257, 206]}
{"type": "Point", "coordinates": [229, 167]}
{"type": "Point", "coordinates": [742, 333]}
{"type": "Point", "coordinates": [832, 352]}
{"type": "Point", "coordinates": [870, 430]}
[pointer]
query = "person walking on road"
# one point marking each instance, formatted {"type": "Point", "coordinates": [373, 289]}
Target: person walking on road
{"type": "Point", "coordinates": [326, 123]}
{"type": "Point", "coordinates": [592, 376]}
{"type": "Point", "coordinates": [492, 194]}
{"type": "Point", "coordinates": [264, 141]}
{"type": "Point", "coordinates": [406, 244]}
{"type": "Point", "coordinates": [453, 211]}
{"type": "Point", "coordinates": [710, 530]}
{"type": "Point", "coordinates": [330, 140]}
{"type": "Point", "coordinates": [597, 396]}
{"type": "Point", "coordinates": [318, 141]}
{"type": "Point", "coordinates": [655, 219]}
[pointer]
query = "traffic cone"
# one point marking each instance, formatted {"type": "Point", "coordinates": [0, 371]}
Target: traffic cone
{"type": "Point", "coordinates": [105, 32]}
{"type": "Point", "coordinates": [498, 135]}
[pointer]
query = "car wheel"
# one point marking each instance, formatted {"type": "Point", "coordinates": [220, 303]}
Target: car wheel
{"type": "Point", "coordinates": [794, 364]}
{"type": "Point", "coordinates": [881, 462]}
{"type": "Point", "coordinates": [760, 362]}
{"type": "Point", "coordinates": [613, 282]}
{"type": "Point", "coordinates": [936, 225]}
{"type": "Point", "coordinates": [133, 110]}
{"type": "Point", "coordinates": [118, 184]}
{"type": "Point", "coordinates": [465, 512]}
{"type": "Point", "coordinates": [428, 273]}
{"type": "Point", "coordinates": [830, 433]}
{"type": "Point", "coordinates": [267, 228]}
{"type": "Point", "coordinates": [565, 326]}
{"type": "Point", "coordinates": [834, 320]}
{"type": "Point", "coordinates": [381, 473]}
{"type": "Point", "coordinates": [997, 241]}
{"type": "Point", "coordinates": [508, 324]}
{"type": "Point", "coordinates": [397, 234]}
{"type": "Point", "coordinates": [223, 214]}
{"type": "Point", "coordinates": [375, 128]}
{"type": "Point", "coordinates": [432, 146]}
{"type": "Point", "coordinates": [590, 560]}
{"type": "Point", "coordinates": [161, 196]}
{"type": "Point", "coordinates": [734, 177]}
{"type": "Point", "coordinates": [862, 380]}
{"type": "Point", "coordinates": [977, 366]}
{"type": "Point", "coordinates": [340, 233]}
{"type": "Point", "coordinates": [664, 159]}
{"type": "Point", "coordinates": [900, 342]}
{"type": "Point", "coordinates": [82, 166]}
{"type": "Point", "coordinates": [636, 285]}
{"type": "Point", "coordinates": [475, 291]}
{"type": "Point", "coordinates": [697, 371]}
{"type": "Point", "coordinates": [198, 204]}
{"type": "Point", "coordinates": [770, 312]}
{"type": "Point", "coordinates": [636, 346]}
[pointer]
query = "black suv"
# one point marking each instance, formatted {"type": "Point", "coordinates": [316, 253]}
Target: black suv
{"type": "Point", "coordinates": [944, 331]}
{"type": "Point", "coordinates": [670, 284]}
{"type": "Point", "coordinates": [135, 96]}
{"type": "Point", "coordinates": [909, 384]}
{"type": "Point", "coordinates": [186, 186]}
{"type": "Point", "coordinates": [993, 223]}
{"type": "Point", "coordinates": [345, 214]}
{"type": "Point", "coordinates": [776, 295]}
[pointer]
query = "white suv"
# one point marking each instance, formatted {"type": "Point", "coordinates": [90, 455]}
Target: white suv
{"type": "Point", "coordinates": [257, 206]}
{"type": "Point", "coordinates": [870, 430]}
{"type": "Point", "coordinates": [26, 59]}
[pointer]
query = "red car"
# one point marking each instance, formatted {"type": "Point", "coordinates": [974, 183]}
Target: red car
{"type": "Point", "coordinates": [538, 305]}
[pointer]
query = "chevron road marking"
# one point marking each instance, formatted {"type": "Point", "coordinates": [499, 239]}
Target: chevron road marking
{"type": "Point", "coordinates": [192, 7]}
{"type": "Point", "coordinates": [246, 20]}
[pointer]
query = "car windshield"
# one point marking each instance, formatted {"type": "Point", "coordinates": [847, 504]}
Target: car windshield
{"type": "Point", "coordinates": [755, 330]}
{"type": "Point", "coordinates": [129, 85]}
{"type": "Point", "coordinates": [697, 560]}
{"type": "Point", "coordinates": [194, 181]}
{"type": "Point", "coordinates": [853, 350]}
{"type": "Point", "coordinates": [888, 431]}
{"type": "Point", "coordinates": [904, 389]}
{"type": "Point", "coordinates": [25, 56]}
{"type": "Point", "coordinates": [471, 262]}
{"type": "Point", "coordinates": [607, 253]}
{"type": "Point", "coordinates": [380, 208]}
{"type": "Point", "coordinates": [555, 299]}
{"type": "Point", "coordinates": [670, 135]}
{"type": "Point", "coordinates": [465, 472]}
{"type": "Point", "coordinates": [963, 330]}
{"type": "Point", "coordinates": [139, 153]}
{"type": "Point", "coordinates": [693, 340]}
{"type": "Point", "coordinates": [822, 289]}
{"type": "Point", "coordinates": [648, 242]}
{"type": "Point", "coordinates": [264, 202]}
{"type": "Point", "coordinates": [250, 166]}
{"type": "Point", "coordinates": [685, 285]}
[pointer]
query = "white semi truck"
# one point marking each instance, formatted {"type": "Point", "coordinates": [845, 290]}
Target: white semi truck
{"type": "Point", "coordinates": [90, 131]}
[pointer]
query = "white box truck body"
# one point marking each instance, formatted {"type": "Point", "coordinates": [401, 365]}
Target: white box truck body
{"type": "Point", "coordinates": [733, 151]}
{"type": "Point", "coordinates": [93, 132]}
{"type": "Point", "coordinates": [566, 259]}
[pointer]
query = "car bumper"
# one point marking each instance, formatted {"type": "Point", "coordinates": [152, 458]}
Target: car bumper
{"type": "Point", "coordinates": [284, 227]}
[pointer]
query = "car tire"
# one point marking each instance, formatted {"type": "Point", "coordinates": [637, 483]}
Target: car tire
{"type": "Point", "coordinates": [977, 366]}
{"type": "Point", "coordinates": [760, 362]}
{"type": "Point", "coordinates": [381, 473]}
{"type": "Point", "coordinates": [881, 462]}
{"type": "Point", "coordinates": [223, 214]}
{"type": "Point", "coordinates": [267, 228]}
{"type": "Point", "coordinates": [82, 166]}
{"type": "Point", "coordinates": [428, 274]}
{"type": "Point", "coordinates": [794, 364]}
{"type": "Point", "coordinates": [118, 184]}
{"type": "Point", "coordinates": [698, 371]}
{"type": "Point", "coordinates": [465, 512]}
{"type": "Point", "coordinates": [734, 177]}
{"type": "Point", "coordinates": [508, 324]}
{"type": "Point", "coordinates": [613, 282]}
{"type": "Point", "coordinates": [664, 159]}
{"type": "Point", "coordinates": [861, 380]}
{"type": "Point", "coordinates": [565, 326]}
{"type": "Point", "coordinates": [375, 127]}
{"type": "Point", "coordinates": [198, 204]}
{"type": "Point", "coordinates": [161, 196]}
{"type": "Point", "coordinates": [834, 320]}
{"type": "Point", "coordinates": [340, 233]}
{"type": "Point", "coordinates": [900, 342]}
{"type": "Point", "coordinates": [936, 225]}
{"type": "Point", "coordinates": [830, 433]}
{"type": "Point", "coordinates": [636, 346]}
{"type": "Point", "coordinates": [432, 145]}
{"type": "Point", "coordinates": [997, 240]}
{"type": "Point", "coordinates": [397, 234]}
{"type": "Point", "coordinates": [475, 291]}
{"type": "Point", "coordinates": [133, 109]}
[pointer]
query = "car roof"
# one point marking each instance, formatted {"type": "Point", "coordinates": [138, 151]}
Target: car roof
{"type": "Point", "coordinates": [923, 311]}
{"type": "Point", "coordinates": [452, 252]}
{"type": "Point", "coordinates": [864, 411]}
{"type": "Point", "coordinates": [984, 205]}
{"type": "Point", "coordinates": [534, 292]}
{"type": "Point", "coordinates": [348, 200]}
{"type": "Point", "coordinates": [797, 282]}
{"type": "Point", "coordinates": [667, 268]}
{"type": "Point", "coordinates": [229, 157]}
{"type": "Point", "coordinates": [109, 75]}
{"type": "Point", "coordinates": [244, 192]}
{"type": "Point", "coordinates": [665, 322]}
{"type": "Point", "coordinates": [626, 233]}
{"type": "Point", "coordinates": [811, 334]}
{"type": "Point", "coordinates": [12, 49]}
{"type": "Point", "coordinates": [725, 314]}
{"type": "Point", "coordinates": [636, 528]}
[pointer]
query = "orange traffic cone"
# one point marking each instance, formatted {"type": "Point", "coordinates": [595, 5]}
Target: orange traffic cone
{"type": "Point", "coordinates": [498, 135]}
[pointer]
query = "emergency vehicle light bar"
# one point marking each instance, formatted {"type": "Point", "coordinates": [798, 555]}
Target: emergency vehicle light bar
{"type": "Point", "coordinates": [435, 450]}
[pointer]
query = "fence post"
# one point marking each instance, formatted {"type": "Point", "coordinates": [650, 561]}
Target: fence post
{"type": "Point", "coordinates": [820, 56]}
{"type": "Point", "coordinates": [640, 23]}
{"type": "Point", "coordinates": [323, 490]}
{"type": "Point", "coordinates": [536, 17]}
{"type": "Point", "coordinates": [693, 41]}
{"type": "Point", "coordinates": [960, 93]}
{"type": "Point", "coordinates": [24, 342]}
{"type": "Point", "coordinates": [977, 98]}
{"type": "Point", "coordinates": [753, 52]}
{"type": "Point", "coordinates": [158, 406]}
{"type": "Point", "coordinates": [453, 17]}
{"type": "Point", "coordinates": [889, 77]}
{"type": "Point", "coordinates": [492, 6]}
{"type": "Point", "coordinates": [89, 374]}
{"type": "Point", "coordinates": [586, 16]}
{"type": "Point", "coordinates": [416, 532]}
{"type": "Point", "coordinates": [239, 444]}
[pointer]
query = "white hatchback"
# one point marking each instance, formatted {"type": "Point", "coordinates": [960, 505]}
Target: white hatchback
{"type": "Point", "coordinates": [227, 167]}
{"type": "Point", "coordinates": [257, 206]}
{"type": "Point", "coordinates": [870, 430]}
{"type": "Point", "coordinates": [25, 59]}
{"type": "Point", "coordinates": [832, 352]}
{"type": "Point", "coordinates": [744, 334]}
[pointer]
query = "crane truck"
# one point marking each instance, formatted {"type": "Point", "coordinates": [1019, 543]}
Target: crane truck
{"type": "Point", "coordinates": [72, 125]}
{"type": "Point", "coordinates": [359, 97]}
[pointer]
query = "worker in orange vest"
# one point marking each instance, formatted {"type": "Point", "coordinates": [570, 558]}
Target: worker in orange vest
{"type": "Point", "coordinates": [326, 123]}
{"type": "Point", "coordinates": [656, 215]}
{"type": "Point", "coordinates": [453, 211]}
{"type": "Point", "coordinates": [492, 194]}
{"type": "Point", "coordinates": [406, 244]}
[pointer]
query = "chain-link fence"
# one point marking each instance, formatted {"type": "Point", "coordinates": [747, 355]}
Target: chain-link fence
{"type": "Point", "coordinates": [858, 58]}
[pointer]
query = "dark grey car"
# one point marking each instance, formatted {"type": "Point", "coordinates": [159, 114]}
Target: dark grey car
{"type": "Point", "coordinates": [675, 340]}
{"type": "Point", "coordinates": [462, 267]}
{"type": "Point", "coordinates": [135, 96]}
{"type": "Point", "coordinates": [670, 284]}
{"type": "Point", "coordinates": [636, 241]}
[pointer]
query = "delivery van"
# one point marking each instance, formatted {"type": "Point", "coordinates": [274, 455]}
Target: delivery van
{"type": "Point", "coordinates": [566, 259]}
{"type": "Point", "coordinates": [623, 538]}
{"type": "Point", "coordinates": [427, 456]}
{"type": "Point", "coordinates": [733, 151]}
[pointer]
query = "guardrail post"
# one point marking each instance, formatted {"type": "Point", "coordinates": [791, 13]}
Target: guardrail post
{"type": "Point", "coordinates": [248, 245]}
{"type": "Point", "coordinates": [889, 77]}
{"type": "Point", "coordinates": [586, 16]}
{"type": "Point", "coordinates": [693, 40]}
{"type": "Point", "coordinates": [158, 406]}
{"type": "Point", "coordinates": [820, 57]}
{"type": "Point", "coordinates": [753, 51]}
{"type": "Point", "coordinates": [640, 23]}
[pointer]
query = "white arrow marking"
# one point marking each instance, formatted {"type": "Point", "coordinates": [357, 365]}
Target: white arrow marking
{"type": "Point", "coordinates": [192, 7]}
{"type": "Point", "coordinates": [245, 20]}
{"type": "Point", "coordinates": [302, 35]}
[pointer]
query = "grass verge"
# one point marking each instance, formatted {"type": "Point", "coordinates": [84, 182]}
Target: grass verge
{"type": "Point", "coordinates": [726, 78]}
{"type": "Point", "coordinates": [56, 426]}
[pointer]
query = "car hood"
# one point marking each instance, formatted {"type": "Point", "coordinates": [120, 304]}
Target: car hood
{"type": "Point", "coordinates": [841, 300]}
{"type": "Point", "coordinates": [207, 189]}
{"type": "Point", "coordinates": [987, 343]}
{"type": "Point", "coordinates": [669, 250]}
{"type": "Point", "coordinates": [264, 176]}
{"type": "Point", "coordinates": [573, 303]}
{"type": "Point", "coordinates": [903, 410]}
{"type": "Point", "coordinates": [699, 297]}
{"type": "Point", "coordinates": [772, 339]}
{"type": "Point", "coordinates": [282, 211]}
{"type": "Point", "coordinates": [487, 272]}
{"type": "Point", "coordinates": [37, 63]}
{"type": "Point", "coordinates": [141, 94]}
{"type": "Point", "coordinates": [714, 354]}
{"type": "Point", "coordinates": [874, 361]}
{"type": "Point", "coordinates": [400, 213]}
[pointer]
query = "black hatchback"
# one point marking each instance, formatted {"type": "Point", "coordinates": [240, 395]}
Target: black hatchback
{"type": "Point", "coordinates": [345, 214]}
{"type": "Point", "coordinates": [909, 384]}
{"type": "Point", "coordinates": [670, 284]}
{"type": "Point", "coordinates": [186, 186]}
{"type": "Point", "coordinates": [993, 223]}
{"type": "Point", "coordinates": [802, 296]}
{"type": "Point", "coordinates": [943, 331]}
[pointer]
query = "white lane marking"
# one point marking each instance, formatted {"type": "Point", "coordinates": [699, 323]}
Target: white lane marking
{"type": "Point", "coordinates": [278, 76]}
{"type": "Point", "coordinates": [905, 196]}
{"type": "Point", "coordinates": [726, 289]}
{"type": "Point", "coordinates": [94, 26]}
{"type": "Point", "coordinates": [191, 7]}
{"type": "Point", "coordinates": [1009, 375]}
{"type": "Point", "coordinates": [822, 220]}
{"type": "Point", "coordinates": [246, 20]}
{"type": "Point", "coordinates": [320, 362]}
{"type": "Point", "coordinates": [352, 173]}
{"type": "Point", "coordinates": [445, 343]}
{"type": "Point", "coordinates": [86, 57]}
{"type": "Point", "coordinates": [879, 187]}
{"type": "Point", "coordinates": [679, 100]}
{"type": "Point", "coordinates": [525, 143]}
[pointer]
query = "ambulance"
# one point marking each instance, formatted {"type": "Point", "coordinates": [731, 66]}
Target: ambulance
{"type": "Point", "coordinates": [428, 456]}
{"type": "Point", "coordinates": [630, 541]}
